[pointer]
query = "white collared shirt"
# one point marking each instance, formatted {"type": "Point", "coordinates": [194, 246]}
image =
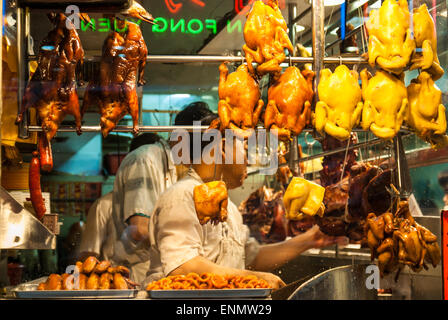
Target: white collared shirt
{"type": "Point", "coordinates": [176, 235]}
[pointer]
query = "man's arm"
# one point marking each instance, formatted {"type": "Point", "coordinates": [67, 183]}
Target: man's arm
{"type": "Point", "coordinates": [274, 255]}
{"type": "Point", "coordinates": [200, 265]}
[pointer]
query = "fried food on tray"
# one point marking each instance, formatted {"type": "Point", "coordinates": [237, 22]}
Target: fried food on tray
{"type": "Point", "coordinates": [193, 281]}
{"type": "Point", "coordinates": [210, 201]}
{"type": "Point", "coordinates": [92, 274]}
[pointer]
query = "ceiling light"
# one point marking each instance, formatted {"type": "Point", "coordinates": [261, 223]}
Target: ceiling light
{"type": "Point", "coordinates": [330, 3]}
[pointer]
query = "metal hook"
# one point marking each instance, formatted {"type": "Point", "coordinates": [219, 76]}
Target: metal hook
{"type": "Point", "coordinates": [290, 61]}
{"type": "Point", "coordinates": [340, 60]}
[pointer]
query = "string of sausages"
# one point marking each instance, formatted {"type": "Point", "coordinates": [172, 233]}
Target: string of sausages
{"type": "Point", "coordinates": [193, 281]}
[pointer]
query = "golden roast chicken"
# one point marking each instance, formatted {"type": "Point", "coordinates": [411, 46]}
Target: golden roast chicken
{"type": "Point", "coordinates": [426, 113]}
{"type": "Point", "coordinates": [426, 39]}
{"type": "Point", "coordinates": [303, 198]}
{"type": "Point", "coordinates": [339, 108]}
{"type": "Point", "coordinates": [385, 103]}
{"type": "Point", "coordinates": [390, 37]}
{"type": "Point", "coordinates": [266, 38]}
{"type": "Point", "coordinates": [114, 90]}
{"type": "Point", "coordinates": [239, 104]}
{"type": "Point", "coordinates": [210, 201]}
{"type": "Point", "coordinates": [289, 107]}
{"type": "Point", "coordinates": [52, 88]}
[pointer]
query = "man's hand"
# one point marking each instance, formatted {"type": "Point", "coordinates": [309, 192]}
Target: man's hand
{"type": "Point", "coordinates": [274, 281]}
{"type": "Point", "coordinates": [318, 239]}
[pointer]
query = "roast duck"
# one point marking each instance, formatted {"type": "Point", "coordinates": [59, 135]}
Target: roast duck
{"type": "Point", "coordinates": [91, 275]}
{"type": "Point", "coordinates": [210, 201]}
{"type": "Point", "coordinates": [339, 108]}
{"type": "Point", "coordinates": [114, 90]}
{"type": "Point", "coordinates": [396, 240]}
{"type": "Point", "coordinates": [52, 92]}
{"type": "Point", "coordinates": [266, 38]}
{"type": "Point", "coordinates": [239, 104]}
{"type": "Point", "coordinates": [264, 213]}
{"type": "Point", "coordinates": [289, 108]}
{"type": "Point", "coordinates": [52, 88]}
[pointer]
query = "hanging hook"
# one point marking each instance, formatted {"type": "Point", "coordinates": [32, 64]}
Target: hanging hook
{"type": "Point", "coordinates": [340, 60]}
{"type": "Point", "coordinates": [290, 61]}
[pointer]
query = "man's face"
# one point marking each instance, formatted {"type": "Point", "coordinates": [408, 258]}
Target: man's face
{"type": "Point", "coordinates": [235, 173]}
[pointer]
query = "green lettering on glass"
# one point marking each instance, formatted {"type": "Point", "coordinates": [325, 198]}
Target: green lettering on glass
{"type": "Point", "coordinates": [211, 24]}
{"type": "Point", "coordinates": [190, 26]}
{"type": "Point", "coordinates": [180, 24]}
{"type": "Point", "coordinates": [103, 22]}
{"type": "Point", "coordinates": [85, 26]}
{"type": "Point", "coordinates": [237, 25]}
{"type": "Point", "coordinates": [161, 25]}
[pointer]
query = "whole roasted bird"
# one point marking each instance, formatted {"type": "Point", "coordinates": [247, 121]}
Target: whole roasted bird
{"type": "Point", "coordinates": [289, 107]}
{"type": "Point", "coordinates": [210, 201]}
{"type": "Point", "coordinates": [239, 104]}
{"type": "Point", "coordinates": [52, 88]}
{"type": "Point", "coordinates": [266, 38]}
{"type": "Point", "coordinates": [114, 90]}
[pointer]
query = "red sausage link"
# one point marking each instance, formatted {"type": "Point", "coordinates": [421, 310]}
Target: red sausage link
{"type": "Point", "coordinates": [35, 189]}
{"type": "Point", "coordinates": [46, 156]}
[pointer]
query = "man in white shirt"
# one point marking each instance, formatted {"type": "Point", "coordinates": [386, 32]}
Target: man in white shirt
{"type": "Point", "coordinates": [97, 229]}
{"type": "Point", "coordinates": [142, 176]}
{"type": "Point", "coordinates": [180, 244]}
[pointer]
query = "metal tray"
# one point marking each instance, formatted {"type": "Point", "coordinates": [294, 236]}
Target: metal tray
{"type": "Point", "coordinates": [29, 291]}
{"type": "Point", "coordinates": [209, 294]}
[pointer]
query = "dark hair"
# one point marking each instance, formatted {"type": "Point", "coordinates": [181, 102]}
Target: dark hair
{"type": "Point", "coordinates": [194, 111]}
{"type": "Point", "coordinates": [443, 180]}
{"type": "Point", "coordinates": [142, 139]}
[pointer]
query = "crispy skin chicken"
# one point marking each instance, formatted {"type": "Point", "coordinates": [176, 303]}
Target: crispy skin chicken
{"type": "Point", "coordinates": [426, 39]}
{"type": "Point", "coordinates": [426, 113]}
{"type": "Point", "coordinates": [385, 103]}
{"type": "Point", "coordinates": [54, 282]}
{"type": "Point", "coordinates": [340, 106]}
{"type": "Point", "coordinates": [89, 264]}
{"type": "Point", "coordinates": [289, 106]}
{"type": "Point", "coordinates": [210, 201]}
{"type": "Point", "coordinates": [303, 197]}
{"type": "Point", "coordinates": [239, 104]}
{"type": "Point", "coordinates": [106, 281]}
{"type": "Point", "coordinates": [93, 282]}
{"type": "Point", "coordinates": [114, 91]}
{"type": "Point", "coordinates": [391, 43]}
{"type": "Point", "coordinates": [266, 38]}
{"type": "Point", "coordinates": [52, 88]}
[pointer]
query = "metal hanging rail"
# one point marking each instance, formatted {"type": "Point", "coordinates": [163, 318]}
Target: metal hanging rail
{"type": "Point", "coordinates": [235, 59]}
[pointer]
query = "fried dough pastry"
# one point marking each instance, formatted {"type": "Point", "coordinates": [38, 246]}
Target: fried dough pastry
{"type": "Point", "coordinates": [339, 108]}
{"type": "Point", "coordinates": [289, 106]}
{"type": "Point", "coordinates": [426, 39]}
{"type": "Point", "coordinates": [426, 113]}
{"type": "Point", "coordinates": [385, 103]}
{"type": "Point", "coordinates": [391, 43]}
{"type": "Point", "coordinates": [239, 104]}
{"type": "Point", "coordinates": [210, 201]}
{"type": "Point", "coordinates": [303, 198]}
{"type": "Point", "coordinates": [266, 38]}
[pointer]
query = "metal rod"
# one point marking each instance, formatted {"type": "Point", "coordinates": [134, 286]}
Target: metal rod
{"type": "Point", "coordinates": [318, 17]}
{"type": "Point", "coordinates": [219, 59]}
{"type": "Point", "coordinates": [163, 129]}
{"type": "Point", "coordinates": [21, 72]}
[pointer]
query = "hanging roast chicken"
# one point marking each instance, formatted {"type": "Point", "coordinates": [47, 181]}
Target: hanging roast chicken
{"type": "Point", "coordinates": [339, 108]}
{"type": "Point", "coordinates": [114, 90]}
{"type": "Point", "coordinates": [266, 38]}
{"type": "Point", "coordinates": [52, 88]}
{"type": "Point", "coordinates": [239, 104]}
{"type": "Point", "coordinates": [426, 113]}
{"type": "Point", "coordinates": [391, 43]}
{"type": "Point", "coordinates": [426, 39]}
{"type": "Point", "coordinates": [289, 107]}
{"type": "Point", "coordinates": [385, 103]}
